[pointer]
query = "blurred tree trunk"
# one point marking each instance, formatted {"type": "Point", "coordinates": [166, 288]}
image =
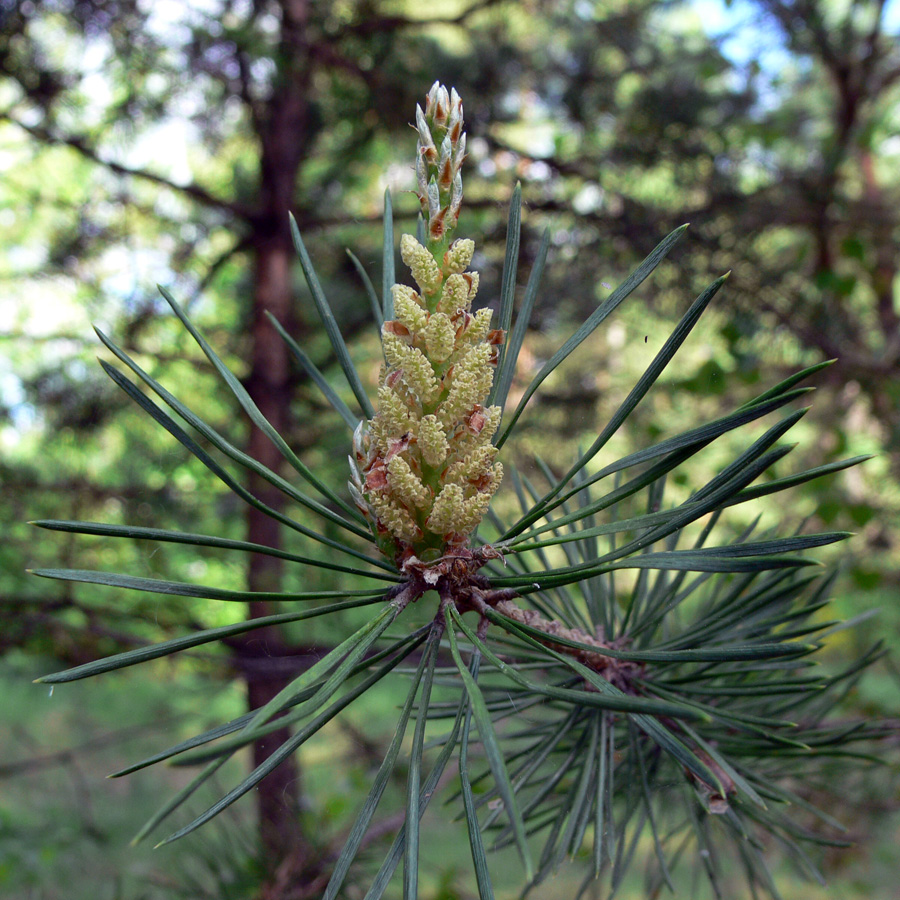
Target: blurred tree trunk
{"type": "Point", "coordinates": [283, 135]}
{"type": "Point", "coordinates": [278, 795]}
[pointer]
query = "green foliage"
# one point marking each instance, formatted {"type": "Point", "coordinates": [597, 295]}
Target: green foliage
{"type": "Point", "coordinates": [631, 670]}
{"type": "Point", "coordinates": [621, 120]}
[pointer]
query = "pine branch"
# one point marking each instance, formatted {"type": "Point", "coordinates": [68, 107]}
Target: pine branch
{"type": "Point", "coordinates": [83, 147]}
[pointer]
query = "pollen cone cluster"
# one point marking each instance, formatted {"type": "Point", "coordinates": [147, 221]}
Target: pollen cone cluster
{"type": "Point", "coordinates": [424, 467]}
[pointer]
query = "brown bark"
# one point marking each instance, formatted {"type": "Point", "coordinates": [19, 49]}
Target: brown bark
{"type": "Point", "coordinates": [282, 122]}
{"type": "Point", "coordinates": [278, 795]}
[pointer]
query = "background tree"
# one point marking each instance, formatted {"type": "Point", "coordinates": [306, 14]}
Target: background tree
{"type": "Point", "coordinates": [660, 124]}
{"type": "Point", "coordinates": [271, 83]}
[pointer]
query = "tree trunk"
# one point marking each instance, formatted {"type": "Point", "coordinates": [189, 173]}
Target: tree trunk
{"type": "Point", "coordinates": [282, 123]}
{"type": "Point", "coordinates": [260, 654]}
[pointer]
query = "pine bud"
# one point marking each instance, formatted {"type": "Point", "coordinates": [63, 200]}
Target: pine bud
{"type": "Point", "coordinates": [425, 271]}
{"type": "Point", "coordinates": [426, 470]}
{"type": "Point", "coordinates": [458, 257]}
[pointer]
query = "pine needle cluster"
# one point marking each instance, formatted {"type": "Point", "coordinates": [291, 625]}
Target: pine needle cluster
{"type": "Point", "coordinates": [611, 678]}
